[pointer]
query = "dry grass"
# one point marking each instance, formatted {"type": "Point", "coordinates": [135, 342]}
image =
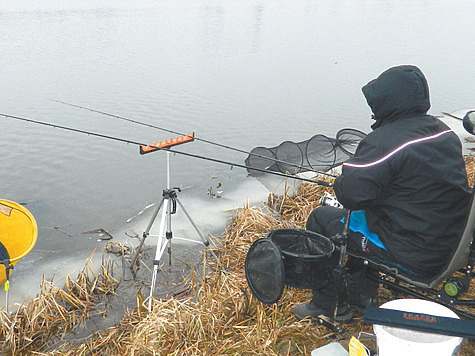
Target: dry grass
{"type": "Point", "coordinates": [217, 315]}
{"type": "Point", "coordinates": [470, 166]}
{"type": "Point", "coordinates": [55, 311]}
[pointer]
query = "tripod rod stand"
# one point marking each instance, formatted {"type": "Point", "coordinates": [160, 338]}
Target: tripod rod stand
{"type": "Point", "coordinates": [169, 204]}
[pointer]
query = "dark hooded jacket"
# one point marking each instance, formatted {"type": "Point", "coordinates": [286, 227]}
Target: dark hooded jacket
{"type": "Point", "coordinates": [408, 174]}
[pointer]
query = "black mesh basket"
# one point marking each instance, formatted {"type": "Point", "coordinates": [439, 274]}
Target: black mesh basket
{"type": "Point", "coordinates": [294, 257]}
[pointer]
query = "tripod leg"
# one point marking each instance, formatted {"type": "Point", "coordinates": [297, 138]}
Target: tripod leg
{"type": "Point", "coordinates": [159, 251]}
{"type": "Point", "coordinates": [146, 233]}
{"type": "Point", "coordinates": [154, 216]}
{"type": "Point", "coordinates": [203, 239]}
{"type": "Point", "coordinates": [152, 287]}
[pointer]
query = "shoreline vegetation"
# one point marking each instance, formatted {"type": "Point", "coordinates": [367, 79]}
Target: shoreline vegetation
{"type": "Point", "coordinates": [215, 313]}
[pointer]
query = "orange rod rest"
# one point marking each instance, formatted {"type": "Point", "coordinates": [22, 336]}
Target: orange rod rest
{"type": "Point", "coordinates": [167, 143]}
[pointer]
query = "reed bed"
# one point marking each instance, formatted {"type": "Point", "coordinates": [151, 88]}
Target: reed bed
{"type": "Point", "coordinates": [215, 315]}
{"type": "Point", "coordinates": [55, 311]}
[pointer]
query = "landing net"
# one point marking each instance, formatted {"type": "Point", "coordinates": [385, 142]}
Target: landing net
{"type": "Point", "coordinates": [319, 153]}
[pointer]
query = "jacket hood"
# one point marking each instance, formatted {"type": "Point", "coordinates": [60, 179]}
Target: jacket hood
{"type": "Point", "coordinates": [397, 92]}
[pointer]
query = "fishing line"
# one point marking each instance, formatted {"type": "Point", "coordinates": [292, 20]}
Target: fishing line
{"type": "Point", "coordinates": [300, 167]}
{"type": "Point", "coordinates": [123, 140]}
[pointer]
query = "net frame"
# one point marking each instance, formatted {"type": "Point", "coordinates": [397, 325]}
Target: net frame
{"type": "Point", "coordinates": [286, 152]}
{"type": "Point", "coordinates": [295, 157]}
{"type": "Point", "coordinates": [345, 143]}
{"type": "Point", "coordinates": [261, 157]}
{"type": "Point", "coordinates": [320, 141]}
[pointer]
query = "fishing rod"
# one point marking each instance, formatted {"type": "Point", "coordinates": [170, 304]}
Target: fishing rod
{"type": "Point", "coordinates": [452, 116]}
{"type": "Point", "coordinates": [144, 145]}
{"type": "Point", "coordinates": [179, 133]}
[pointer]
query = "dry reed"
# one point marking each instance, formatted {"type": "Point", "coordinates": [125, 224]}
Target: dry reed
{"type": "Point", "coordinates": [55, 311]}
{"type": "Point", "coordinates": [216, 315]}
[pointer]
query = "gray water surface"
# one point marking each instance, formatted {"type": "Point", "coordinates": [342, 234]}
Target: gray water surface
{"type": "Point", "coordinates": [240, 73]}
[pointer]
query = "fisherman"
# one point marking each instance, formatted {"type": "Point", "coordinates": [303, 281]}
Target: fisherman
{"type": "Point", "coordinates": [407, 189]}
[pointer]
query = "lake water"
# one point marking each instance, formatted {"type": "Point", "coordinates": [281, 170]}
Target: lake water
{"type": "Point", "coordinates": [241, 73]}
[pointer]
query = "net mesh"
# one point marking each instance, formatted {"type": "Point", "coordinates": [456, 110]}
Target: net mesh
{"type": "Point", "coordinates": [265, 271]}
{"type": "Point", "coordinates": [318, 153]}
{"type": "Point", "coordinates": [308, 257]}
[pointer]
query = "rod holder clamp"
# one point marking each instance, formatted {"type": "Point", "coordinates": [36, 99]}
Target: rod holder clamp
{"type": "Point", "coordinates": [169, 193]}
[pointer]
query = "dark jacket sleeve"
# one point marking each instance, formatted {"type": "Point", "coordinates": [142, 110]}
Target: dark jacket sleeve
{"type": "Point", "coordinates": [364, 176]}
